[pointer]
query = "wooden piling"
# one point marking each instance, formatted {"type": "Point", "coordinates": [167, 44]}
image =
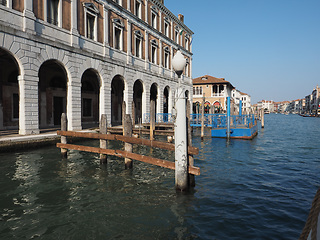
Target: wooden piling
{"type": "Point", "coordinates": [124, 107]}
{"type": "Point", "coordinates": [192, 182]}
{"type": "Point", "coordinates": [127, 131]}
{"type": "Point", "coordinates": [103, 143]}
{"type": "Point", "coordinates": [262, 117]}
{"type": "Point", "coordinates": [64, 151]}
{"type": "Point", "coordinates": [202, 118]}
{"type": "Point", "coordinates": [133, 114]}
{"type": "Point", "coordinates": [152, 119]}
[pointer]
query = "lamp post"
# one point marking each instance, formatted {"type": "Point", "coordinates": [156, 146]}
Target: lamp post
{"type": "Point", "coordinates": [180, 127]}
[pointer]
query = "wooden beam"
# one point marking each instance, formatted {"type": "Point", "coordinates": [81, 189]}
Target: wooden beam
{"type": "Point", "coordinates": [132, 140]}
{"type": "Point", "coordinates": [138, 157]}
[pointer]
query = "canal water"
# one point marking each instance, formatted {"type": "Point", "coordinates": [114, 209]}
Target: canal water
{"type": "Point", "coordinates": [259, 189]}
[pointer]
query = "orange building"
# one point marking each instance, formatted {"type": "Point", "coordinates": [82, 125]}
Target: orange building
{"type": "Point", "coordinates": [213, 90]}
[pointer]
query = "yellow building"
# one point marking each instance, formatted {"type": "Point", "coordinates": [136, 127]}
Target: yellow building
{"type": "Point", "coordinates": [213, 90]}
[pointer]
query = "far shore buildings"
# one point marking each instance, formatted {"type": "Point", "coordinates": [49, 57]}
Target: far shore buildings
{"type": "Point", "coordinates": [85, 58]}
{"type": "Point", "coordinates": [310, 105]}
{"type": "Point", "coordinates": [214, 91]}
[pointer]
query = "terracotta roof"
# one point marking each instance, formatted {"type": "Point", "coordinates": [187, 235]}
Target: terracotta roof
{"type": "Point", "coordinates": [206, 79]}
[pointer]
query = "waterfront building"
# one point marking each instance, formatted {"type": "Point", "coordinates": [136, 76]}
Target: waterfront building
{"type": "Point", "coordinates": [266, 105]}
{"type": "Point", "coordinates": [214, 91]}
{"type": "Point", "coordinates": [314, 103]}
{"type": "Point", "coordinates": [245, 98]}
{"type": "Point", "coordinates": [308, 99]}
{"type": "Point", "coordinates": [85, 58]}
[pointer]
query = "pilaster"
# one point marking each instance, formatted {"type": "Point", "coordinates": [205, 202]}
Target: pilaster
{"type": "Point", "coordinates": [28, 104]}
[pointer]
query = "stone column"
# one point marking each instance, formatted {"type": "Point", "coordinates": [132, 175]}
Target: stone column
{"type": "Point", "coordinates": [147, 51]}
{"type": "Point", "coordinates": [74, 20]}
{"type": "Point", "coordinates": [28, 104]}
{"type": "Point", "coordinates": [28, 17]}
{"type": "Point", "coordinates": [74, 105]}
{"type": "Point", "coordinates": [160, 58]}
{"type": "Point", "coordinates": [129, 42]}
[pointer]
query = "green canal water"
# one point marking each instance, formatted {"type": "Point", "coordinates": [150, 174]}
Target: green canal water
{"type": "Point", "coordinates": [259, 189]}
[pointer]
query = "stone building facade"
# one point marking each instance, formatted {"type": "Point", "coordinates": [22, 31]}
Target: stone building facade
{"type": "Point", "coordinates": [85, 57]}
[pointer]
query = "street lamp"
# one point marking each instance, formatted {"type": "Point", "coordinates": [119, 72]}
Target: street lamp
{"type": "Point", "coordinates": [180, 127]}
{"type": "Point", "coordinates": [178, 63]}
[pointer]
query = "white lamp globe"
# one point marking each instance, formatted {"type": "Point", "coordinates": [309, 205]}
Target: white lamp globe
{"type": "Point", "coordinates": [178, 63]}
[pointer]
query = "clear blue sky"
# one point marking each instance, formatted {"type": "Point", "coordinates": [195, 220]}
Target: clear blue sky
{"type": "Point", "coordinates": [269, 49]}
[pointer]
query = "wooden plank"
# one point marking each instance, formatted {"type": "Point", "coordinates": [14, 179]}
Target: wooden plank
{"type": "Point", "coordinates": [138, 157]}
{"type": "Point", "coordinates": [133, 140]}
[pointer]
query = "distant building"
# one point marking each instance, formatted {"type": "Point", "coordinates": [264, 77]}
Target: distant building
{"type": "Point", "coordinates": [245, 99]}
{"type": "Point", "coordinates": [266, 105]}
{"type": "Point", "coordinates": [315, 101]}
{"type": "Point", "coordinates": [214, 90]}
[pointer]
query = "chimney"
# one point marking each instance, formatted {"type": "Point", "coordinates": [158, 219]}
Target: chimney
{"type": "Point", "coordinates": [181, 18]}
{"type": "Point", "coordinates": [161, 1]}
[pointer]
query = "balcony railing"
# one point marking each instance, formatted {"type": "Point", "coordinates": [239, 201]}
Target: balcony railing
{"type": "Point", "coordinates": [160, 118]}
{"type": "Point", "coordinates": [220, 120]}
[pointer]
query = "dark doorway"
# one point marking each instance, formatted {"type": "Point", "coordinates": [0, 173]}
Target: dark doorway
{"type": "Point", "coordinates": [137, 99]}
{"type": "Point", "coordinates": [117, 88]}
{"type": "Point", "coordinates": [57, 109]}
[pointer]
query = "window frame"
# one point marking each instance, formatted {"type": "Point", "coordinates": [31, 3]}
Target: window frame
{"type": "Point", "coordinates": [91, 10]}
{"type": "Point", "coordinates": [119, 26]}
{"type": "Point", "coordinates": [52, 20]}
{"type": "Point", "coordinates": [138, 36]}
{"type": "Point", "coordinates": [154, 48]}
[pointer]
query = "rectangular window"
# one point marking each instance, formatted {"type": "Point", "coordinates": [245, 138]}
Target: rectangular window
{"type": "Point", "coordinates": [176, 34]}
{"type": "Point", "coordinates": [166, 29]}
{"type": "Point", "coordinates": [87, 107]}
{"type": "Point", "coordinates": [117, 40]}
{"type": "Point", "coordinates": [153, 20]}
{"type": "Point", "coordinates": [138, 47]}
{"type": "Point", "coordinates": [166, 60]}
{"type": "Point", "coordinates": [138, 9]}
{"type": "Point", "coordinates": [15, 106]}
{"type": "Point", "coordinates": [3, 2]}
{"type": "Point", "coordinates": [52, 12]}
{"type": "Point", "coordinates": [90, 26]}
{"type": "Point", "coordinates": [153, 54]}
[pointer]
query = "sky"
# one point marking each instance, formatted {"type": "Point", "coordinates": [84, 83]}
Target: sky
{"type": "Point", "coordinates": [269, 49]}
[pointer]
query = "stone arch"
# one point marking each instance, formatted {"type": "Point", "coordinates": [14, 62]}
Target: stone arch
{"type": "Point", "coordinates": [117, 97]}
{"type": "Point", "coordinates": [166, 100]}
{"type": "Point", "coordinates": [196, 107]}
{"type": "Point", "coordinates": [9, 90]}
{"type": "Point", "coordinates": [154, 96]}
{"type": "Point", "coordinates": [217, 107]}
{"type": "Point", "coordinates": [138, 92]}
{"type": "Point", "coordinates": [53, 82]}
{"type": "Point", "coordinates": [90, 91]}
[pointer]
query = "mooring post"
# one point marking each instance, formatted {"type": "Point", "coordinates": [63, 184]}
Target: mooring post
{"type": "Point", "coordinates": [103, 143]}
{"type": "Point", "coordinates": [180, 137]}
{"type": "Point", "coordinates": [64, 138]}
{"type": "Point", "coordinates": [152, 118]}
{"type": "Point", "coordinates": [127, 131]}
{"type": "Point", "coordinates": [124, 107]}
{"type": "Point", "coordinates": [262, 117]}
{"type": "Point", "coordinates": [133, 114]}
{"type": "Point", "coordinates": [192, 182]}
{"type": "Point", "coordinates": [202, 118]}
{"type": "Point", "coordinates": [228, 117]}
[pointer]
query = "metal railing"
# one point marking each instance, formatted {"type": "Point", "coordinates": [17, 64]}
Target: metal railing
{"type": "Point", "coordinates": [160, 118]}
{"type": "Point", "coordinates": [220, 120]}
